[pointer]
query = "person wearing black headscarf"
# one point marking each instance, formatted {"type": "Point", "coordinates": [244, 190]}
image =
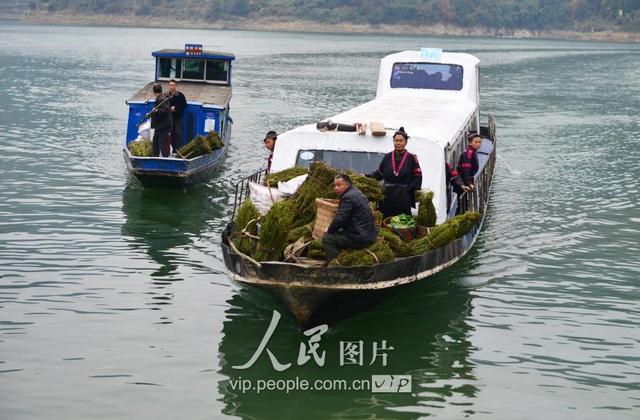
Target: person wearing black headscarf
{"type": "Point", "coordinates": [402, 176]}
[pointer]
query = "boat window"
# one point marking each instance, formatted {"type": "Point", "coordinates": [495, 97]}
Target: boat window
{"type": "Point", "coordinates": [359, 162]}
{"type": "Point", "coordinates": [169, 68]}
{"type": "Point", "coordinates": [193, 70]}
{"type": "Point", "coordinates": [426, 76]}
{"type": "Point", "coordinates": [217, 70]}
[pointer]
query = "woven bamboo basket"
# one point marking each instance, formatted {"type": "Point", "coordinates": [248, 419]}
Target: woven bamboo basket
{"type": "Point", "coordinates": [325, 210]}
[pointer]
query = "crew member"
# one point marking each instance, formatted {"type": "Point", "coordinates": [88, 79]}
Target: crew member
{"type": "Point", "coordinates": [353, 225]}
{"type": "Point", "coordinates": [453, 178]}
{"type": "Point", "coordinates": [270, 144]}
{"type": "Point", "coordinates": [178, 103]}
{"type": "Point", "coordinates": [468, 164]}
{"type": "Point", "coordinates": [402, 176]}
{"type": "Point", "coordinates": [161, 122]}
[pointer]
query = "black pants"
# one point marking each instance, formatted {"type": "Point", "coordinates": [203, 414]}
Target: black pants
{"type": "Point", "coordinates": [398, 199]}
{"type": "Point", "coordinates": [176, 134]}
{"type": "Point", "coordinates": [160, 139]}
{"type": "Point", "coordinates": [334, 243]}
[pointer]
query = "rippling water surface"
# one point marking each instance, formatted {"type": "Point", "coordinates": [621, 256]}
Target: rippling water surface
{"type": "Point", "coordinates": [114, 302]}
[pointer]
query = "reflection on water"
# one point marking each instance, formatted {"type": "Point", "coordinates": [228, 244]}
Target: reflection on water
{"type": "Point", "coordinates": [161, 222]}
{"type": "Point", "coordinates": [426, 324]}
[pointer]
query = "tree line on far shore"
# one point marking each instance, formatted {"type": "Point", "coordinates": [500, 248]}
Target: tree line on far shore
{"type": "Point", "coordinates": [507, 14]}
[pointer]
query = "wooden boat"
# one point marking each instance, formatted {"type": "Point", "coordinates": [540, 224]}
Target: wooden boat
{"type": "Point", "coordinates": [437, 110]}
{"type": "Point", "coordinates": [204, 77]}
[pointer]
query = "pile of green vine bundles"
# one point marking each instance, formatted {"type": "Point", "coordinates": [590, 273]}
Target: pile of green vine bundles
{"type": "Point", "coordinates": [319, 184]}
{"type": "Point", "coordinates": [214, 140]}
{"type": "Point", "coordinates": [285, 175]}
{"type": "Point", "coordinates": [274, 230]}
{"type": "Point", "coordinates": [246, 220]}
{"type": "Point", "coordinates": [197, 147]}
{"type": "Point", "coordinates": [141, 148]}
{"type": "Point", "coordinates": [377, 253]}
{"type": "Point", "coordinates": [444, 233]}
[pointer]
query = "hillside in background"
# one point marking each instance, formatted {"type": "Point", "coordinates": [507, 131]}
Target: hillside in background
{"type": "Point", "coordinates": [577, 15]}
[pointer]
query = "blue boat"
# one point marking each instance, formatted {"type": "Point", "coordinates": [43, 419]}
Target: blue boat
{"type": "Point", "coordinates": [204, 77]}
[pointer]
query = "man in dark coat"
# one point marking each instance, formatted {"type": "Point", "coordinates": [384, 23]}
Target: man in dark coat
{"type": "Point", "coordinates": [161, 122]}
{"type": "Point", "coordinates": [402, 177]}
{"type": "Point", "coordinates": [468, 164]}
{"type": "Point", "coordinates": [353, 225]}
{"type": "Point", "coordinates": [178, 104]}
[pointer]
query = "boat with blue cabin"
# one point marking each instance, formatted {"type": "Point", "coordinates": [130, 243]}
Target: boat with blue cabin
{"type": "Point", "coordinates": [435, 96]}
{"type": "Point", "coordinates": [204, 77]}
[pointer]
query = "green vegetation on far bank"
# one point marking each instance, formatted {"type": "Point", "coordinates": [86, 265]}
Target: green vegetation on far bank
{"type": "Point", "coordinates": [534, 15]}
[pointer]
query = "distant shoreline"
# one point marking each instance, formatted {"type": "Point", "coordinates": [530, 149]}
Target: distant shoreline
{"type": "Point", "coordinates": [308, 26]}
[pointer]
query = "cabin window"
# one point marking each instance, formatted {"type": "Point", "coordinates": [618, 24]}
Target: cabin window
{"type": "Point", "coordinates": [359, 162]}
{"type": "Point", "coordinates": [217, 71]}
{"type": "Point", "coordinates": [426, 76]}
{"type": "Point", "coordinates": [169, 68]}
{"type": "Point", "coordinates": [193, 70]}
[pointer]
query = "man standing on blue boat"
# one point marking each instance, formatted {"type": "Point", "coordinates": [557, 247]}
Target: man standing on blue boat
{"type": "Point", "coordinates": [161, 123]}
{"type": "Point", "coordinates": [178, 103]}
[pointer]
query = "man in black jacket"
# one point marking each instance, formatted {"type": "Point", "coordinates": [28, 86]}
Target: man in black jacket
{"type": "Point", "coordinates": [353, 225]}
{"type": "Point", "coordinates": [161, 123]}
{"type": "Point", "coordinates": [178, 103]}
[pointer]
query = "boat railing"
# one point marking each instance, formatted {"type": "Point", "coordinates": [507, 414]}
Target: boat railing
{"type": "Point", "coordinates": [242, 189]}
{"type": "Point", "coordinates": [476, 199]}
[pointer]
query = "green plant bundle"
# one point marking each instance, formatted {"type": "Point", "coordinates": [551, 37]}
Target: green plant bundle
{"type": "Point", "coordinates": [370, 187]}
{"type": "Point", "coordinates": [304, 231]}
{"type": "Point", "coordinates": [285, 175]}
{"type": "Point", "coordinates": [319, 184]}
{"type": "Point", "coordinates": [444, 233]}
{"type": "Point", "coordinates": [378, 253]}
{"type": "Point", "coordinates": [316, 250]}
{"type": "Point", "coordinates": [141, 148]}
{"type": "Point", "coordinates": [246, 214]}
{"type": "Point", "coordinates": [197, 147]}
{"type": "Point", "coordinates": [426, 210]}
{"type": "Point", "coordinates": [399, 247]}
{"type": "Point", "coordinates": [214, 140]}
{"type": "Point", "coordinates": [274, 231]}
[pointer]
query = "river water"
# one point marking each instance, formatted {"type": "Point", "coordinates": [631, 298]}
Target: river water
{"type": "Point", "coordinates": [114, 302]}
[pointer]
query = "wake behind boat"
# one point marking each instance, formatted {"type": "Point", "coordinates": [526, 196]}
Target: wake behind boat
{"type": "Point", "coordinates": [435, 96]}
{"type": "Point", "coordinates": [204, 77]}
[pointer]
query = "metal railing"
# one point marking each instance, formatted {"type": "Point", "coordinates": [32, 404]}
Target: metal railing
{"type": "Point", "coordinates": [476, 199]}
{"type": "Point", "coordinates": [242, 189]}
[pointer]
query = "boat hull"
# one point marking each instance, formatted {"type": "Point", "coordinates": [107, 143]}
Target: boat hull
{"type": "Point", "coordinates": [325, 295]}
{"type": "Point", "coordinates": [157, 172]}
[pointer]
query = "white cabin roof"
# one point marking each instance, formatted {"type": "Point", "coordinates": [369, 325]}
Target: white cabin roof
{"type": "Point", "coordinates": [433, 114]}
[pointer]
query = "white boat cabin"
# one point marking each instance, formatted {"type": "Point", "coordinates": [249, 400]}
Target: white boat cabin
{"type": "Point", "coordinates": [434, 95]}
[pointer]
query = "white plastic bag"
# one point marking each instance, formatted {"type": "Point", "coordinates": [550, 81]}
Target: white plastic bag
{"type": "Point", "coordinates": [144, 132]}
{"type": "Point", "coordinates": [264, 197]}
{"type": "Point", "coordinates": [292, 185]}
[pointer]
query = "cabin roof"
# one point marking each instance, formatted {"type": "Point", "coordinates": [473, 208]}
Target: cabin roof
{"type": "Point", "coordinates": [209, 55]}
{"type": "Point", "coordinates": [195, 92]}
{"type": "Point", "coordinates": [438, 121]}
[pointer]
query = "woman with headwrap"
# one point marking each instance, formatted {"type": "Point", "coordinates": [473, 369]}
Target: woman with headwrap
{"type": "Point", "coordinates": [402, 176]}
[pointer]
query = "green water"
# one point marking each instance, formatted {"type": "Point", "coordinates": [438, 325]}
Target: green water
{"type": "Point", "coordinates": [114, 302]}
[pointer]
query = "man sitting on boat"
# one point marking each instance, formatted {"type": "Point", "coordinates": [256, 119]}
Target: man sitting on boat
{"type": "Point", "coordinates": [270, 144]}
{"type": "Point", "coordinates": [353, 225]}
{"type": "Point", "coordinates": [161, 122]}
{"type": "Point", "coordinates": [468, 164]}
{"type": "Point", "coordinates": [178, 103]}
{"type": "Point", "coordinates": [402, 176]}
